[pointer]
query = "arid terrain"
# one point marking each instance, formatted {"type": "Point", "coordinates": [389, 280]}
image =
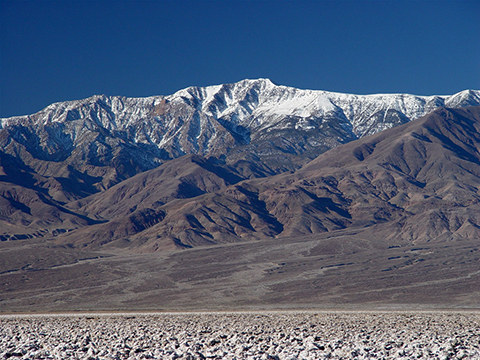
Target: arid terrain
{"type": "Point", "coordinates": [344, 270]}
{"type": "Point", "coordinates": [260, 335]}
{"type": "Point", "coordinates": [389, 221]}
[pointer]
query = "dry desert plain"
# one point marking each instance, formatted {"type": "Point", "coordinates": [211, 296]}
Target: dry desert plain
{"type": "Point", "coordinates": [336, 296]}
{"type": "Point", "coordinates": [344, 270]}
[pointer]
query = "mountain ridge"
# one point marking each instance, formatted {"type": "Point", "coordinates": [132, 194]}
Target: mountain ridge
{"type": "Point", "coordinates": [240, 100]}
{"type": "Point", "coordinates": [94, 143]}
{"type": "Point", "coordinates": [58, 160]}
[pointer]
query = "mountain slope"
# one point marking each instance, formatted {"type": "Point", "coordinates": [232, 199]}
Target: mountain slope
{"type": "Point", "coordinates": [185, 177]}
{"type": "Point", "coordinates": [134, 205]}
{"type": "Point", "coordinates": [425, 174]}
{"type": "Point", "coordinates": [414, 183]}
{"type": "Point", "coordinates": [26, 208]}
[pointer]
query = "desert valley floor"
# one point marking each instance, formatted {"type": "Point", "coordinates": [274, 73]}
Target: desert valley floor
{"type": "Point", "coordinates": [338, 270]}
{"type": "Point", "coordinates": [341, 295]}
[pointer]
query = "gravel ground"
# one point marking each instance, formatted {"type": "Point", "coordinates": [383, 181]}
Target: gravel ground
{"type": "Point", "coordinates": [265, 335]}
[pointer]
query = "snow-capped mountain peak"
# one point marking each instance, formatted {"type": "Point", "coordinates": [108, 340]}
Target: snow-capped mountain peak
{"type": "Point", "coordinates": [247, 118]}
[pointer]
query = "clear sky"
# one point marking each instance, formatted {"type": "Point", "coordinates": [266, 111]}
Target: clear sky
{"type": "Point", "coordinates": [66, 50]}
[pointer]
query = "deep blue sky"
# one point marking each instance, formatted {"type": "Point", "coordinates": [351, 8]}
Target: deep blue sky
{"type": "Point", "coordinates": [65, 50]}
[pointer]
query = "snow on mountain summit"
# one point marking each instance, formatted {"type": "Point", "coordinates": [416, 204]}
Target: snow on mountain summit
{"type": "Point", "coordinates": [260, 98]}
{"type": "Point", "coordinates": [255, 117]}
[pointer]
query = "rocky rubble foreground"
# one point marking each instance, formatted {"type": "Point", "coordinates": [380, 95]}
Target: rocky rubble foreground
{"type": "Point", "coordinates": [273, 335]}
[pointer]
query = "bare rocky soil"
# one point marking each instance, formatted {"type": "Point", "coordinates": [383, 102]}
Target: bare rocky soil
{"type": "Point", "coordinates": [256, 335]}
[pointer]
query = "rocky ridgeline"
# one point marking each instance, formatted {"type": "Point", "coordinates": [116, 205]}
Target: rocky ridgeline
{"type": "Point", "coordinates": [304, 335]}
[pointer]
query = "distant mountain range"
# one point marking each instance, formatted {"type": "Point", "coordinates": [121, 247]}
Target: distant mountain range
{"type": "Point", "coordinates": [415, 183]}
{"type": "Point", "coordinates": [243, 161]}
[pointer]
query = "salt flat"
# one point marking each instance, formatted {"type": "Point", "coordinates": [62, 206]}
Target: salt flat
{"type": "Point", "coordinates": [243, 335]}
